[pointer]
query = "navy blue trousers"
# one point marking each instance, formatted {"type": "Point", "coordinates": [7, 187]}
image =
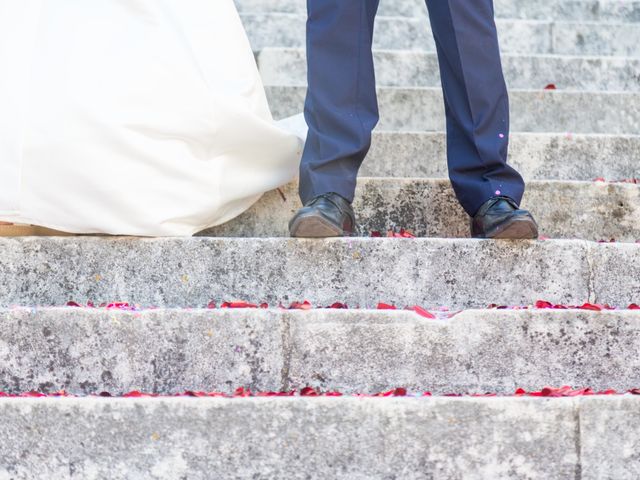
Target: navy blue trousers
{"type": "Point", "coordinates": [341, 108]}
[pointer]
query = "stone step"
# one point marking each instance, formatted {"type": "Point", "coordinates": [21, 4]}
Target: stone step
{"type": "Point", "coordinates": [428, 208]}
{"type": "Point", "coordinates": [420, 109]}
{"type": "Point", "coordinates": [537, 156]}
{"type": "Point", "coordinates": [517, 36]}
{"type": "Point", "coordinates": [189, 272]}
{"type": "Point", "coordinates": [282, 66]}
{"type": "Point", "coordinates": [623, 11]}
{"type": "Point", "coordinates": [88, 351]}
{"type": "Point", "coordinates": [308, 438]}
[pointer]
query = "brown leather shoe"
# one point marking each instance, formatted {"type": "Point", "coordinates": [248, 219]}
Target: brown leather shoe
{"type": "Point", "coordinates": [501, 217]}
{"type": "Point", "coordinates": [327, 215]}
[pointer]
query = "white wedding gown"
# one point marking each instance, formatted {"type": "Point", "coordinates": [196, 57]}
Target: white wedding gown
{"type": "Point", "coordinates": [134, 117]}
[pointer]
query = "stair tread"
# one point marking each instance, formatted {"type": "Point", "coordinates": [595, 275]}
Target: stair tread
{"type": "Point", "coordinates": [168, 351]}
{"type": "Point", "coordinates": [458, 273]}
{"type": "Point", "coordinates": [320, 438]}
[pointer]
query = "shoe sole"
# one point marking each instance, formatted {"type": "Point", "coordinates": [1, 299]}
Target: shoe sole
{"type": "Point", "coordinates": [314, 226]}
{"type": "Point", "coordinates": [522, 228]}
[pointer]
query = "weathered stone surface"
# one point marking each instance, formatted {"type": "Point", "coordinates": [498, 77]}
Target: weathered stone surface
{"type": "Point", "coordinates": [473, 352]}
{"type": "Point", "coordinates": [567, 10]}
{"type": "Point", "coordinates": [538, 156]}
{"type": "Point", "coordinates": [616, 267]}
{"type": "Point", "coordinates": [428, 207]}
{"type": "Point", "coordinates": [516, 36]}
{"type": "Point", "coordinates": [87, 351]}
{"type": "Point", "coordinates": [341, 438]}
{"type": "Point", "coordinates": [190, 272]}
{"type": "Point", "coordinates": [574, 38]}
{"type": "Point", "coordinates": [610, 437]}
{"type": "Point", "coordinates": [286, 66]}
{"type": "Point", "coordinates": [420, 109]}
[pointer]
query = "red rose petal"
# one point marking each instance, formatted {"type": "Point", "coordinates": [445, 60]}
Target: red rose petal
{"type": "Point", "coordinates": [422, 312]}
{"type": "Point", "coordinates": [238, 305]}
{"type": "Point", "coordinates": [119, 306]}
{"type": "Point", "coordinates": [137, 394]}
{"type": "Point", "coordinates": [277, 394]}
{"type": "Point", "coordinates": [332, 394]}
{"type": "Point", "coordinates": [339, 306]}
{"type": "Point", "coordinates": [242, 392]}
{"type": "Point", "coordinates": [550, 86]}
{"type": "Point", "coordinates": [406, 234]}
{"type": "Point", "coordinates": [189, 393]}
{"type": "Point", "coordinates": [608, 392]}
{"type": "Point", "coordinates": [543, 304]}
{"type": "Point", "coordinates": [401, 234]}
{"type": "Point", "coordinates": [591, 306]}
{"type": "Point", "coordinates": [386, 306]}
{"type": "Point", "coordinates": [300, 306]}
{"type": "Point", "coordinates": [308, 392]}
{"type": "Point", "coordinates": [33, 394]}
{"type": "Point", "coordinates": [396, 392]}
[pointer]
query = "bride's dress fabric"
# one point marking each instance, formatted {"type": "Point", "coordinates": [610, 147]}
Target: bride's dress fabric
{"type": "Point", "coordinates": [135, 117]}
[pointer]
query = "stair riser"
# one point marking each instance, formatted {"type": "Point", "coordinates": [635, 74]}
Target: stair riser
{"type": "Point", "coordinates": [90, 351]}
{"type": "Point", "coordinates": [516, 36]}
{"type": "Point", "coordinates": [536, 156]}
{"type": "Point", "coordinates": [563, 10]}
{"type": "Point", "coordinates": [361, 272]}
{"type": "Point", "coordinates": [320, 438]}
{"type": "Point", "coordinates": [422, 109]}
{"type": "Point", "coordinates": [415, 69]}
{"type": "Point", "coordinates": [428, 208]}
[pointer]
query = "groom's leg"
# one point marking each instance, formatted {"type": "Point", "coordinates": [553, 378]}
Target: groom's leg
{"type": "Point", "coordinates": [476, 102]}
{"type": "Point", "coordinates": [341, 107]}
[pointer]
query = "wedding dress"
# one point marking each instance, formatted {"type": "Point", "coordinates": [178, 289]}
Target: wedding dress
{"type": "Point", "coordinates": [136, 117]}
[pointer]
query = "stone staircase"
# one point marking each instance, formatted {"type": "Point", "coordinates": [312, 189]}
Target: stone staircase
{"type": "Point", "coordinates": [563, 139]}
